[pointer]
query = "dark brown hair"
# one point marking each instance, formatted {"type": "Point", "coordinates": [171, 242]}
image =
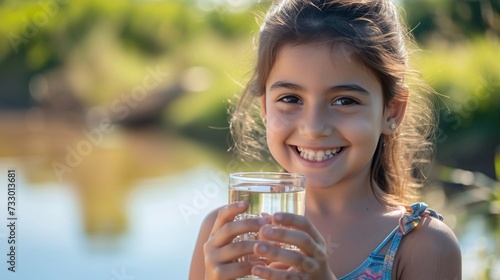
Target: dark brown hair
{"type": "Point", "coordinates": [376, 37]}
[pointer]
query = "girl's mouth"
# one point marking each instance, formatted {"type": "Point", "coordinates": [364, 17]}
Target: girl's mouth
{"type": "Point", "coordinates": [318, 155]}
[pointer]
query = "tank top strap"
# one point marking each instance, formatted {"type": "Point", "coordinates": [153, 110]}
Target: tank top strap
{"type": "Point", "coordinates": [386, 240]}
{"type": "Point", "coordinates": [410, 219]}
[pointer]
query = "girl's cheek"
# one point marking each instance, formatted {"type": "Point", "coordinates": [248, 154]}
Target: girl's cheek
{"type": "Point", "coordinates": [278, 122]}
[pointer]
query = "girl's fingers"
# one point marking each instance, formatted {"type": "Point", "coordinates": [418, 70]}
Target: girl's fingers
{"type": "Point", "coordinates": [232, 270]}
{"type": "Point", "coordinates": [279, 265]}
{"type": "Point", "coordinates": [232, 251]}
{"type": "Point", "coordinates": [278, 274]}
{"type": "Point", "coordinates": [290, 236]}
{"type": "Point", "coordinates": [298, 222]}
{"type": "Point", "coordinates": [297, 230]}
{"type": "Point", "coordinates": [230, 230]}
{"type": "Point", "coordinates": [286, 256]}
{"type": "Point", "coordinates": [226, 214]}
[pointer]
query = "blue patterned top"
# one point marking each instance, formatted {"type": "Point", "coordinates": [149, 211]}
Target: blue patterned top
{"type": "Point", "coordinates": [378, 266]}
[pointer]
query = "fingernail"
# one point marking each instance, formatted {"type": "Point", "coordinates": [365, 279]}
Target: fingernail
{"type": "Point", "coordinates": [242, 203]}
{"type": "Point", "coordinates": [267, 230]}
{"type": "Point", "coordinates": [278, 217]}
{"type": "Point", "coordinates": [261, 248]}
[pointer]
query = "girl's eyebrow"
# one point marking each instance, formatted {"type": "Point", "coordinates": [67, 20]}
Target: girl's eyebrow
{"type": "Point", "coordinates": [349, 87]}
{"type": "Point", "coordinates": [286, 85]}
{"type": "Point", "coordinates": [334, 89]}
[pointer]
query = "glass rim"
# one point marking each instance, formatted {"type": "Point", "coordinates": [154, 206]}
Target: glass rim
{"type": "Point", "coordinates": [267, 176]}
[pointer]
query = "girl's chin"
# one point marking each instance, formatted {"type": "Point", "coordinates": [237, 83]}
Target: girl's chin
{"type": "Point", "coordinates": [318, 183]}
{"type": "Point", "coordinates": [314, 180]}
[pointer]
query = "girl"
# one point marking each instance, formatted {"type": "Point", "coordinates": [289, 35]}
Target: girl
{"type": "Point", "coordinates": [332, 82]}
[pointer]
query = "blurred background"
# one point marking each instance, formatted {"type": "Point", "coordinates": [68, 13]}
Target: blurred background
{"type": "Point", "coordinates": [113, 114]}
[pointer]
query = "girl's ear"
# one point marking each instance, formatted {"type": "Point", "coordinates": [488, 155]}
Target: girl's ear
{"type": "Point", "coordinates": [394, 113]}
{"type": "Point", "coordinates": [263, 107]}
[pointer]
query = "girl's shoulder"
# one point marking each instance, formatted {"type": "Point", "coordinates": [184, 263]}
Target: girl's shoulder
{"type": "Point", "coordinates": [429, 250]}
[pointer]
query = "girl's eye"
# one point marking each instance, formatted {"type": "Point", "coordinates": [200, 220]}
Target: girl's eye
{"type": "Point", "coordinates": [291, 99]}
{"type": "Point", "coordinates": [345, 101]}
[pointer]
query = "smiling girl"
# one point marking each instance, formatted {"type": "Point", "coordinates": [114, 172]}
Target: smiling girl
{"type": "Point", "coordinates": [332, 86]}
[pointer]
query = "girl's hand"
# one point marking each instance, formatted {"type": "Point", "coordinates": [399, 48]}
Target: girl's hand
{"type": "Point", "coordinates": [311, 262]}
{"type": "Point", "coordinates": [221, 253]}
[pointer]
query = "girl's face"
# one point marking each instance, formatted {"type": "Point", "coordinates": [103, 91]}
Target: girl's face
{"type": "Point", "coordinates": [324, 114]}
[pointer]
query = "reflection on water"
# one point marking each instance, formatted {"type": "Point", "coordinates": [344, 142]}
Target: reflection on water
{"type": "Point", "coordinates": [124, 207]}
{"type": "Point", "coordinates": [478, 251]}
{"type": "Point", "coordinates": [102, 166]}
{"type": "Point", "coordinates": [158, 242]}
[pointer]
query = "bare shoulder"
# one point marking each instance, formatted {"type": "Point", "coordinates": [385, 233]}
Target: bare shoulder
{"type": "Point", "coordinates": [429, 251]}
{"type": "Point", "coordinates": [197, 270]}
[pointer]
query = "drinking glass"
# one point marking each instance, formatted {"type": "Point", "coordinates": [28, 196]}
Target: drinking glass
{"type": "Point", "coordinates": [267, 193]}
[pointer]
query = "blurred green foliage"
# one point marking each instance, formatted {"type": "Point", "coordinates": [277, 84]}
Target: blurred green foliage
{"type": "Point", "coordinates": [469, 86]}
{"type": "Point", "coordinates": [452, 20]}
{"type": "Point", "coordinates": [104, 47]}
{"type": "Point", "coordinates": [460, 43]}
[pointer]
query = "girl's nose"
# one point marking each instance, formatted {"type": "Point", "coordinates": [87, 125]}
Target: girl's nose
{"type": "Point", "coordinates": [315, 123]}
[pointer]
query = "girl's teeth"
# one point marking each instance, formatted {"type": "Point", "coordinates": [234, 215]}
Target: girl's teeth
{"type": "Point", "coordinates": [319, 155]}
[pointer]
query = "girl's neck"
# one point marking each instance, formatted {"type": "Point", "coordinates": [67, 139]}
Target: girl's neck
{"type": "Point", "coordinates": [343, 199]}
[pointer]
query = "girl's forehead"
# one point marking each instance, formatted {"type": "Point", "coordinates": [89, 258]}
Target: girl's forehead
{"type": "Point", "coordinates": [320, 65]}
{"type": "Point", "coordinates": [338, 55]}
{"type": "Point", "coordinates": [338, 51]}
